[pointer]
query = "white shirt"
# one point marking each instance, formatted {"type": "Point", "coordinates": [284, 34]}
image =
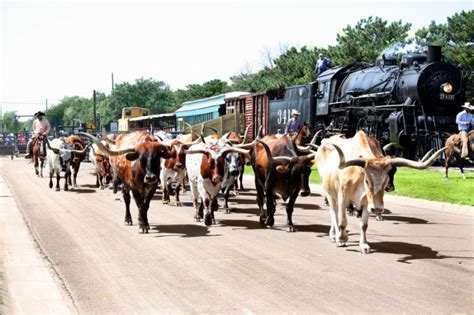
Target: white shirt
{"type": "Point", "coordinates": [41, 126]}
{"type": "Point", "coordinates": [463, 119]}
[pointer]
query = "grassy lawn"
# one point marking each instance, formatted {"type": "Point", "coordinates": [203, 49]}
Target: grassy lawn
{"type": "Point", "coordinates": [426, 184]}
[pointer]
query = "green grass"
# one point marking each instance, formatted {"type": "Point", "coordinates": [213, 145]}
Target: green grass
{"type": "Point", "coordinates": [427, 184]}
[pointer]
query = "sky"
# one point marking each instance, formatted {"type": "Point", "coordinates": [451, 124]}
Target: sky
{"type": "Point", "coordinates": [53, 49]}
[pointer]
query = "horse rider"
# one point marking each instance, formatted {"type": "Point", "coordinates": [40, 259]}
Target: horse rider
{"type": "Point", "coordinates": [39, 127]}
{"type": "Point", "coordinates": [294, 123]}
{"type": "Point", "coordinates": [465, 120]}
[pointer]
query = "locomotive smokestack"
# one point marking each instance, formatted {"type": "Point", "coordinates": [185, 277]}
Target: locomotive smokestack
{"type": "Point", "coordinates": [434, 53]}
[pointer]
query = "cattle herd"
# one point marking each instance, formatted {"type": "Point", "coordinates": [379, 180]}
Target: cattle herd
{"type": "Point", "coordinates": [355, 172]}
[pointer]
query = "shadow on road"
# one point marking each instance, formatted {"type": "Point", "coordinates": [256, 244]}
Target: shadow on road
{"type": "Point", "coordinates": [90, 186]}
{"type": "Point", "coordinates": [186, 230]}
{"type": "Point", "coordinates": [405, 219]}
{"type": "Point", "coordinates": [82, 190]}
{"type": "Point", "coordinates": [244, 224]}
{"type": "Point", "coordinates": [410, 251]}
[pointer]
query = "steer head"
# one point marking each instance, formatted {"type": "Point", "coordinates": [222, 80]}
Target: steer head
{"type": "Point", "coordinates": [65, 153]}
{"type": "Point", "coordinates": [147, 154]}
{"type": "Point", "coordinates": [376, 174]}
{"type": "Point", "coordinates": [103, 162]}
{"type": "Point", "coordinates": [296, 167]}
{"type": "Point", "coordinates": [213, 160]}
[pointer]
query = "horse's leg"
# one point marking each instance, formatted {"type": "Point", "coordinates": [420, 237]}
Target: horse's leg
{"type": "Point", "coordinates": [461, 169]}
{"type": "Point", "coordinates": [41, 167]}
{"type": "Point", "coordinates": [36, 165]}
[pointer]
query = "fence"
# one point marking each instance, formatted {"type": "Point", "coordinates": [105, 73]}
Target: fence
{"type": "Point", "coordinates": [230, 122]}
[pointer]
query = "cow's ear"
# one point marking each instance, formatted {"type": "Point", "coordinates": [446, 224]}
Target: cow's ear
{"type": "Point", "coordinates": [132, 156]}
{"type": "Point", "coordinates": [167, 151]}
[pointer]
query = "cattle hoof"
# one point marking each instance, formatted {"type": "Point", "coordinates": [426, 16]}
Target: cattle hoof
{"type": "Point", "coordinates": [197, 218]}
{"type": "Point", "coordinates": [379, 217]}
{"type": "Point", "coordinates": [291, 229]}
{"type": "Point", "coordinates": [208, 219]}
{"type": "Point", "coordinates": [364, 248]}
{"type": "Point", "coordinates": [165, 202]}
{"type": "Point", "coordinates": [57, 189]}
{"type": "Point", "coordinates": [50, 185]}
{"type": "Point", "coordinates": [128, 222]}
{"type": "Point", "coordinates": [262, 219]}
{"type": "Point", "coordinates": [332, 239]}
{"type": "Point", "coordinates": [270, 221]}
{"type": "Point", "coordinates": [227, 211]}
{"type": "Point", "coordinates": [143, 229]}
{"type": "Point", "coordinates": [341, 244]}
{"type": "Point", "coordinates": [178, 203]}
{"type": "Point", "coordinates": [65, 189]}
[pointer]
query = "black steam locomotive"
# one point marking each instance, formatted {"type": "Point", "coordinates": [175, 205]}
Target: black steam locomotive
{"type": "Point", "coordinates": [412, 104]}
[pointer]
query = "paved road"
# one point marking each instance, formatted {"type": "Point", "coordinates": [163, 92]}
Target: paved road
{"type": "Point", "coordinates": [422, 260]}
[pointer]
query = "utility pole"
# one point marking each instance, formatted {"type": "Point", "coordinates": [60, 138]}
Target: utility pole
{"type": "Point", "coordinates": [95, 118]}
{"type": "Point", "coordinates": [46, 104]}
{"type": "Point", "coordinates": [113, 81]}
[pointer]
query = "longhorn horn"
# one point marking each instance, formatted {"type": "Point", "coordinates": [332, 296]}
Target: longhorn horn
{"type": "Point", "coordinates": [259, 132]}
{"type": "Point", "coordinates": [427, 155]}
{"type": "Point", "coordinates": [316, 135]}
{"type": "Point", "coordinates": [106, 150]}
{"type": "Point", "coordinates": [56, 151]}
{"type": "Point", "coordinates": [213, 129]}
{"type": "Point", "coordinates": [246, 133]}
{"type": "Point", "coordinates": [234, 149]}
{"type": "Point", "coordinates": [387, 147]}
{"type": "Point", "coordinates": [188, 144]}
{"type": "Point", "coordinates": [246, 145]}
{"type": "Point", "coordinates": [190, 129]}
{"type": "Point", "coordinates": [80, 152]}
{"type": "Point", "coordinates": [303, 148]}
{"type": "Point", "coordinates": [421, 165]}
{"type": "Point", "coordinates": [282, 158]}
{"type": "Point", "coordinates": [342, 159]}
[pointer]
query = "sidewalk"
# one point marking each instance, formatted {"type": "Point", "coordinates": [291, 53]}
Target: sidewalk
{"type": "Point", "coordinates": [29, 284]}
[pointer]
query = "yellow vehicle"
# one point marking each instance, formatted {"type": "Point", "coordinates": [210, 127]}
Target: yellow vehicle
{"type": "Point", "coordinates": [129, 113]}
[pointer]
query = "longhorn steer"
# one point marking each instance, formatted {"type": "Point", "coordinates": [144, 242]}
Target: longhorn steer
{"type": "Point", "coordinates": [173, 171]}
{"type": "Point", "coordinates": [205, 165]}
{"type": "Point", "coordinates": [76, 143]}
{"type": "Point", "coordinates": [280, 170]}
{"type": "Point", "coordinates": [136, 161]}
{"type": "Point", "coordinates": [59, 158]}
{"type": "Point", "coordinates": [101, 163]}
{"type": "Point", "coordinates": [360, 181]}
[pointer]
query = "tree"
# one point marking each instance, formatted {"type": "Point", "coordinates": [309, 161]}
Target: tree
{"type": "Point", "coordinates": [154, 95]}
{"type": "Point", "coordinates": [197, 91]}
{"type": "Point", "coordinates": [456, 37]}
{"type": "Point", "coordinates": [367, 40]}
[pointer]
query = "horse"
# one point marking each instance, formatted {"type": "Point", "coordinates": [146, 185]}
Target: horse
{"type": "Point", "coordinates": [453, 151]}
{"type": "Point", "coordinates": [303, 132]}
{"type": "Point", "coordinates": [38, 152]}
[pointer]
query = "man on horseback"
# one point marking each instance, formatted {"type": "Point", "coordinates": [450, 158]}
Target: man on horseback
{"type": "Point", "coordinates": [465, 120]}
{"type": "Point", "coordinates": [294, 124]}
{"type": "Point", "coordinates": [39, 127]}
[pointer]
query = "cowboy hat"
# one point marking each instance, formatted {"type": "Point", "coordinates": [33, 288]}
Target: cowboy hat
{"type": "Point", "coordinates": [467, 105]}
{"type": "Point", "coordinates": [294, 112]}
{"type": "Point", "coordinates": [39, 113]}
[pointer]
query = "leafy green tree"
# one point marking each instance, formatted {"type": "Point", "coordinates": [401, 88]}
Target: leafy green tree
{"type": "Point", "coordinates": [10, 124]}
{"type": "Point", "coordinates": [198, 91]}
{"type": "Point", "coordinates": [154, 95]}
{"type": "Point", "coordinates": [456, 37]}
{"type": "Point", "coordinates": [366, 40]}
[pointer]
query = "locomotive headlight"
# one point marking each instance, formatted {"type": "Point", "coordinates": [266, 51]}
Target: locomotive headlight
{"type": "Point", "coordinates": [446, 88]}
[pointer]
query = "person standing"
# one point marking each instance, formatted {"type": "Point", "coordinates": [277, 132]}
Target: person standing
{"type": "Point", "coordinates": [39, 127]}
{"type": "Point", "coordinates": [294, 124]}
{"type": "Point", "coordinates": [465, 120]}
{"type": "Point", "coordinates": [322, 64]}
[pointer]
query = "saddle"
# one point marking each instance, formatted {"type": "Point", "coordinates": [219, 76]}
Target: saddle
{"type": "Point", "coordinates": [42, 146]}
